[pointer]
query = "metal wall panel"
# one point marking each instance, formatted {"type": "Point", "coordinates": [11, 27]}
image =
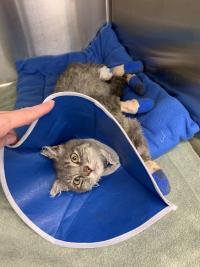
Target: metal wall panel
{"type": "Point", "coordinates": [38, 27]}
{"type": "Point", "coordinates": [166, 34]}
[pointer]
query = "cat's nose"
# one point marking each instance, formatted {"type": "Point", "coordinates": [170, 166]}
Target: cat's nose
{"type": "Point", "coordinates": [87, 170]}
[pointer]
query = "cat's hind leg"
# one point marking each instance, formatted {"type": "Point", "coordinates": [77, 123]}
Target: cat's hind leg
{"type": "Point", "coordinates": [136, 136]}
{"type": "Point", "coordinates": [134, 130]}
{"type": "Point", "coordinates": [159, 176]}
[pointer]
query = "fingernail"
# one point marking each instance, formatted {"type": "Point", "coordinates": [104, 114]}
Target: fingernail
{"type": "Point", "coordinates": [51, 101]}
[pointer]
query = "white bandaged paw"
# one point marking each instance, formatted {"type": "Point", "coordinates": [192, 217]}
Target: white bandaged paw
{"type": "Point", "coordinates": [130, 106]}
{"type": "Point", "coordinates": [105, 74]}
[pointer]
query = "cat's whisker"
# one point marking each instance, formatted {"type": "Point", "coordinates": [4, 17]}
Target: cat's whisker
{"type": "Point", "coordinates": [59, 194]}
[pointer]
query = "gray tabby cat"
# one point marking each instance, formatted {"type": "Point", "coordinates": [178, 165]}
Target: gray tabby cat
{"type": "Point", "coordinates": [88, 79]}
{"type": "Point", "coordinates": [79, 164]}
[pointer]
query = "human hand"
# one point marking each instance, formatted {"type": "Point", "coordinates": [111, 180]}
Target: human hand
{"type": "Point", "coordinates": [13, 119]}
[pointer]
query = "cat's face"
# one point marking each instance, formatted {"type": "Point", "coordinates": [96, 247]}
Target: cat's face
{"type": "Point", "coordinates": [80, 166]}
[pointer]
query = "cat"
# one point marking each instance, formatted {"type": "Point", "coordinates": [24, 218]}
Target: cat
{"type": "Point", "coordinates": [87, 79]}
{"type": "Point", "coordinates": [97, 82]}
{"type": "Point", "coordinates": [80, 163]}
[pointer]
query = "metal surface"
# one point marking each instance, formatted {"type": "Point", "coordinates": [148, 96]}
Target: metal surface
{"type": "Point", "coordinates": [166, 34]}
{"type": "Point", "coordinates": [7, 70]}
{"type": "Point", "coordinates": [37, 27]}
{"type": "Point", "coordinates": [7, 96]}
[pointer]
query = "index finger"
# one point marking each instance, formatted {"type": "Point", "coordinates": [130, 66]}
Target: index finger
{"type": "Point", "coordinates": [26, 116]}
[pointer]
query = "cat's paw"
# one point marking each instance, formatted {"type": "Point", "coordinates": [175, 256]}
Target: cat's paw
{"type": "Point", "coordinates": [137, 106]}
{"type": "Point", "coordinates": [130, 106]}
{"type": "Point", "coordinates": [57, 188]}
{"type": "Point", "coordinates": [136, 84]}
{"type": "Point", "coordinates": [152, 166]}
{"type": "Point", "coordinates": [118, 71]}
{"type": "Point", "coordinates": [128, 68]}
{"type": "Point", "coordinates": [162, 181]}
{"type": "Point", "coordinates": [105, 74]}
{"type": "Point", "coordinates": [159, 176]}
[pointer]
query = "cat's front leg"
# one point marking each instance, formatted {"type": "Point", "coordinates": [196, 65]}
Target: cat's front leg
{"type": "Point", "coordinates": [130, 106]}
{"type": "Point", "coordinates": [129, 71]}
{"type": "Point", "coordinates": [105, 74]}
{"type": "Point", "coordinates": [128, 68]}
{"type": "Point", "coordinates": [136, 106]}
{"type": "Point", "coordinates": [119, 71]}
{"type": "Point", "coordinates": [58, 187]}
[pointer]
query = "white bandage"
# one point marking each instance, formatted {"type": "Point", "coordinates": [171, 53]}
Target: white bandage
{"type": "Point", "coordinates": [105, 73]}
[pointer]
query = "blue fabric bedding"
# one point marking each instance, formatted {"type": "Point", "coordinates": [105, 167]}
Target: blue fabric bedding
{"type": "Point", "coordinates": [164, 126]}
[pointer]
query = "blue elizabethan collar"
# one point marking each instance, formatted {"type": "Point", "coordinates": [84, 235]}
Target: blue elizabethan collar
{"type": "Point", "coordinates": [126, 202]}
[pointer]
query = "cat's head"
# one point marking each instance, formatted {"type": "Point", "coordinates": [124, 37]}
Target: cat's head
{"type": "Point", "coordinates": [80, 164]}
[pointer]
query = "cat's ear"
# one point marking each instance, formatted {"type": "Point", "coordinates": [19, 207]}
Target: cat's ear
{"type": "Point", "coordinates": [107, 152]}
{"type": "Point", "coordinates": [111, 156]}
{"type": "Point", "coordinates": [58, 187]}
{"type": "Point", "coordinates": [52, 152]}
{"type": "Point", "coordinates": [85, 145]}
{"type": "Point", "coordinates": [112, 161]}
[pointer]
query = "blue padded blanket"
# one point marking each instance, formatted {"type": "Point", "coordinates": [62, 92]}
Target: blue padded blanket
{"type": "Point", "coordinates": [125, 203]}
{"type": "Point", "coordinates": [164, 126]}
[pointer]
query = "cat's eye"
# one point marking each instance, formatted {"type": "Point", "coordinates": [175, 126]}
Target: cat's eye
{"type": "Point", "coordinates": [77, 180]}
{"type": "Point", "coordinates": [74, 158]}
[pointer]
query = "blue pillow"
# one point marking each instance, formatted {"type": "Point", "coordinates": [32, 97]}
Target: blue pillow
{"type": "Point", "coordinates": [167, 123]}
{"type": "Point", "coordinates": [164, 126]}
